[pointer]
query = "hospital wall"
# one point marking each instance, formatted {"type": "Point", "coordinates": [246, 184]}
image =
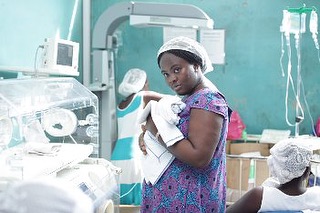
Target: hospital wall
{"type": "Point", "coordinates": [251, 77]}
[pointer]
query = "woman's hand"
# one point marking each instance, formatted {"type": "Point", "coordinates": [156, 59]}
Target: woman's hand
{"type": "Point", "coordinates": [141, 141]}
{"type": "Point", "coordinates": [151, 127]}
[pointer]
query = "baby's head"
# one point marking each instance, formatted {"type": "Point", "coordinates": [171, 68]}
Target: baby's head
{"type": "Point", "coordinates": [289, 159]}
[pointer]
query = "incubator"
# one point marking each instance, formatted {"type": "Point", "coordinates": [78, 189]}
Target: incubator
{"type": "Point", "coordinates": [50, 127]}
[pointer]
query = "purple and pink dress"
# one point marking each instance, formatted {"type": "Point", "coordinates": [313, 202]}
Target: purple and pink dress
{"type": "Point", "coordinates": [183, 188]}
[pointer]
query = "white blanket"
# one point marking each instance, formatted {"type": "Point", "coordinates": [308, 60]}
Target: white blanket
{"type": "Point", "coordinates": [158, 158]}
{"type": "Point", "coordinates": [155, 163]}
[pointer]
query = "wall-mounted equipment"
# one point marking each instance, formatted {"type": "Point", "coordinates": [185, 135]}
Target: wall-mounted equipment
{"type": "Point", "coordinates": [57, 57]}
{"type": "Point", "coordinates": [140, 14]}
{"type": "Point", "coordinates": [60, 56]}
{"type": "Point", "coordinates": [155, 14]}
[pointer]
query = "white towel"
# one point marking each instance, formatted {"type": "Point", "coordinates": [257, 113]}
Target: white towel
{"type": "Point", "coordinates": [156, 161]}
{"type": "Point", "coordinates": [169, 133]}
{"type": "Point", "coordinates": [165, 118]}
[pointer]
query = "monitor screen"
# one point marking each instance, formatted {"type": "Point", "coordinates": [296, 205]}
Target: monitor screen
{"type": "Point", "coordinates": [65, 54]}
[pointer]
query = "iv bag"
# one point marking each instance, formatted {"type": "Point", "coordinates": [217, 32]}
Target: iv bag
{"type": "Point", "coordinates": [297, 23]}
{"type": "Point", "coordinates": [313, 26]}
{"type": "Point", "coordinates": [313, 22]}
{"type": "Point", "coordinates": [285, 27]}
{"type": "Point", "coordinates": [294, 23]}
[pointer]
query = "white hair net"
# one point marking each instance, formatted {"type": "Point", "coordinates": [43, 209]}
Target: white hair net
{"type": "Point", "coordinates": [289, 159]}
{"type": "Point", "coordinates": [190, 45]}
{"type": "Point", "coordinates": [47, 196]}
{"type": "Point", "coordinates": [132, 82]}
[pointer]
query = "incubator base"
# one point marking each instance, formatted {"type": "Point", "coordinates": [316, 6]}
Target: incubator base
{"type": "Point", "coordinates": [99, 179]}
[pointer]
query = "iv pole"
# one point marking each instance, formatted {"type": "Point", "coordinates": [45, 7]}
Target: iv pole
{"type": "Point", "coordinates": [299, 117]}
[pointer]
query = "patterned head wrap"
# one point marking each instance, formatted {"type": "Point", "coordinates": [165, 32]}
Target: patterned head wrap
{"type": "Point", "coordinates": [133, 82]}
{"type": "Point", "coordinates": [190, 45]}
{"type": "Point", "coordinates": [289, 159]}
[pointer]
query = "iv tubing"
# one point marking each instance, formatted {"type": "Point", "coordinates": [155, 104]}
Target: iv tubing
{"type": "Point", "coordinates": [298, 106]}
{"type": "Point", "coordinates": [281, 57]}
{"type": "Point", "coordinates": [299, 109]}
{"type": "Point", "coordinates": [289, 80]}
{"type": "Point", "coordinates": [299, 84]}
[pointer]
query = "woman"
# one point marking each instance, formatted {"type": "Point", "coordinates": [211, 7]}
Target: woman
{"type": "Point", "coordinates": [126, 155]}
{"type": "Point", "coordinates": [289, 165]}
{"type": "Point", "coordinates": [196, 179]}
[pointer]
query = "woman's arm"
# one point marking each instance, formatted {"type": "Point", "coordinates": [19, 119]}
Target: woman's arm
{"type": "Point", "coordinates": [250, 202]}
{"type": "Point", "coordinates": [204, 134]}
{"type": "Point", "coordinates": [151, 95]}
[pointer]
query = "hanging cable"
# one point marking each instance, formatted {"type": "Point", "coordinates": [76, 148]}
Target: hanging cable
{"type": "Point", "coordinates": [35, 67]}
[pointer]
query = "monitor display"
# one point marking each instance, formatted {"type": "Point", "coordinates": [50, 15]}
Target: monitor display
{"type": "Point", "coordinates": [65, 54]}
{"type": "Point", "coordinates": [60, 57]}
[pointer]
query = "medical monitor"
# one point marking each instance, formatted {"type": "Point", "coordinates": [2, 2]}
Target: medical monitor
{"type": "Point", "coordinates": [60, 57]}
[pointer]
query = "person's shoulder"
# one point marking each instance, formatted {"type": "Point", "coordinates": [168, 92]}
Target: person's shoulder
{"type": "Point", "coordinates": [212, 97]}
{"type": "Point", "coordinates": [211, 93]}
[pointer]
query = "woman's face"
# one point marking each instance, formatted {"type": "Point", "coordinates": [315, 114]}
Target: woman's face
{"type": "Point", "coordinates": [181, 76]}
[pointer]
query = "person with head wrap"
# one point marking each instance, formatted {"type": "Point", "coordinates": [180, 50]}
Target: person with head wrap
{"type": "Point", "coordinates": [44, 196]}
{"type": "Point", "coordinates": [126, 155]}
{"type": "Point", "coordinates": [195, 181]}
{"type": "Point", "coordinates": [286, 189]}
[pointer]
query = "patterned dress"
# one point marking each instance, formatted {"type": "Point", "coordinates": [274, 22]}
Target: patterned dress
{"type": "Point", "coordinates": [126, 153]}
{"type": "Point", "coordinates": [183, 188]}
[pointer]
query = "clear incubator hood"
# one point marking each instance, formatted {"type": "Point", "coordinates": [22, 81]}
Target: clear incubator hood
{"type": "Point", "coordinates": [59, 110]}
{"type": "Point", "coordinates": [49, 127]}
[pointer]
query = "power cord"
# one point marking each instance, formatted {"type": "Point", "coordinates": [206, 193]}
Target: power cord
{"type": "Point", "coordinates": [36, 60]}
